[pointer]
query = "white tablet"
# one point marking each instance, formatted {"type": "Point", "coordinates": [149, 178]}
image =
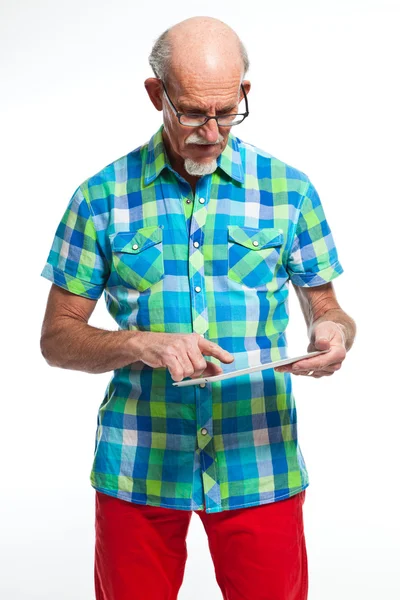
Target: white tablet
{"type": "Point", "coordinates": [270, 365]}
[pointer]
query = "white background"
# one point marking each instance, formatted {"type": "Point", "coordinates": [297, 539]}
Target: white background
{"type": "Point", "coordinates": [324, 100]}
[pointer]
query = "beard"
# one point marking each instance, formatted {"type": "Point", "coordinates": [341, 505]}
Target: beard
{"type": "Point", "coordinates": [199, 169]}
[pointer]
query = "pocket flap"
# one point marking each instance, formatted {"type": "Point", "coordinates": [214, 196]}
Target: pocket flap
{"type": "Point", "coordinates": [255, 239]}
{"type": "Point", "coordinates": [134, 242]}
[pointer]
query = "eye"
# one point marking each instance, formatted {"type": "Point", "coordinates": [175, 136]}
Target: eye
{"type": "Point", "coordinates": [226, 111]}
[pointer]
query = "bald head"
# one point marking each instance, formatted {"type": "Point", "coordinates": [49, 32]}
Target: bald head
{"type": "Point", "coordinates": [202, 64]}
{"type": "Point", "coordinates": [198, 45]}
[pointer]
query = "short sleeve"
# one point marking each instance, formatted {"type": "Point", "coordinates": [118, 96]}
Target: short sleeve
{"type": "Point", "coordinates": [312, 258]}
{"type": "Point", "coordinates": [76, 261]}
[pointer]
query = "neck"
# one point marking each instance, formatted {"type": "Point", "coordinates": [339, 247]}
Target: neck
{"type": "Point", "coordinates": [177, 163]}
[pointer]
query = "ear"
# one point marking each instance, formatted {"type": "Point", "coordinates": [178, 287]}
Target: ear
{"type": "Point", "coordinates": [247, 85]}
{"type": "Point", "coordinates": [154, 89]}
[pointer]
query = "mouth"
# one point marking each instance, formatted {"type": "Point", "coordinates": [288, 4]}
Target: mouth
{"type": "Point", "coordinates": [204, 148]}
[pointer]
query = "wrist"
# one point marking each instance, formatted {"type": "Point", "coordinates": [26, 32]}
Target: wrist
{"type": "Point", "coordinates": [135, 344]}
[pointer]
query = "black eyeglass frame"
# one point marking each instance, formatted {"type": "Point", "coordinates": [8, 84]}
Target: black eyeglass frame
{"type": "Point", "coordinates": [208, 118]}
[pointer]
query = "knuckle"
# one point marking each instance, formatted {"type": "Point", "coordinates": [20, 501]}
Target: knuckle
{"type": "Point", "coordinates": [199, 367]}
{"type": "Point", "coordinates": [189, 370]}
{"type": "Point", "coordinates": [176, 374]}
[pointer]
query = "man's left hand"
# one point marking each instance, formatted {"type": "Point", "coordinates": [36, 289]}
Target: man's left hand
{"type": "Point", "coordinates": [326, 335]}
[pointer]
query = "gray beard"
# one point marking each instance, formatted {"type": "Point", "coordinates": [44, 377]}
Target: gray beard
{"type": "Point", "coordinates": [199, 169]}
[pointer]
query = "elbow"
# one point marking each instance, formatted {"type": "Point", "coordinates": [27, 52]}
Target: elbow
{"type": "Point", "coordinates": [47, 350]}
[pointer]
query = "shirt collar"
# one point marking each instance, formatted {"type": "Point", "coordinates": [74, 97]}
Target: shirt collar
{"type": "Point", "coordinates": [229, 160]}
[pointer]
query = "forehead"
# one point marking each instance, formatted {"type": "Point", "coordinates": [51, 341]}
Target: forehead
{"type": "Point", "coordinates": [203, 94]}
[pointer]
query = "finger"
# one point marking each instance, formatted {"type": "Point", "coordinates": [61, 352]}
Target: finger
{"type": "Point", "coordinates": [211, 369]}
{"type": "Point", "coordinates": [211, 349]}
{"type": "Point", "coordinates": [174, 366]}
{"type": "Point", "coordinates": [308, 373]}
{"type": "Point", "coordinates": [180, 350]}
{"type": "Point", "coordinates": [318, 363]}
{"type": "Point", "coordinates": [319, 374]}
{"type": "Point", "coordinates": [198, 362]}
{"type": "Point", "coordinates": [336, 366]}
{"type": "Point", "coordinates": [322, 343]}
{"type": "Point", "coordinates": [327, 370]}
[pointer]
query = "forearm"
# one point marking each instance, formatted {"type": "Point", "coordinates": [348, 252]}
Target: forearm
{"type": "Point", "coordinates": [338, 316]}
{"type": "Point", "coordinates": [80, 346]}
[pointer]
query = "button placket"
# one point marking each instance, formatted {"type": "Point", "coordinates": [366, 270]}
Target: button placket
{"type": "Point", "coordinates": [196, 262]}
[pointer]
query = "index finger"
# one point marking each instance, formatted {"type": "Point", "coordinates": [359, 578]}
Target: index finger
{"type": "Point", "coordinates": [318, 362]}
{"type": "Point", "coordinates": [212, 349]}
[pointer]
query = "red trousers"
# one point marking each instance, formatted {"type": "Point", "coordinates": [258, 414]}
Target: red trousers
{"type": "Point", "coordinates": [259, 552]}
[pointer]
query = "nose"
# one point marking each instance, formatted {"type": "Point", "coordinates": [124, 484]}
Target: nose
{"type": "Point", "coordinates": [209, 131]}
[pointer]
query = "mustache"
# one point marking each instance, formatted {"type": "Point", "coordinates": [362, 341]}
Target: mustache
{"type": "Point", "coordinates": [194, 138]}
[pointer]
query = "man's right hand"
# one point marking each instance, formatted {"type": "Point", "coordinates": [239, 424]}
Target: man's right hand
{"type": "Point", "coordinates": [181, 353]}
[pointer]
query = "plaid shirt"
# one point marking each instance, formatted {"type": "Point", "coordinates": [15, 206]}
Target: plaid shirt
{"type": "Point", "coordinates": [217, 262]}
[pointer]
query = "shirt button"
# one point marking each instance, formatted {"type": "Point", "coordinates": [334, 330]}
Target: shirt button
{"type": "Point", "coordinates": [202, 384]}
{"type": "Point", "coordinates": [196, 244]}
{"type": "Point", "coordinates": [135, 246]}
{"type": "Point", "coordinates": [188, 200]}
{"type": "Point", "coordinates": [204, 431]}
{"type": "Point", "coordinates": [201, 200]}
{"type": "Point", "coordinates": [197, 289]}
{"type": "Point", "coordinates": [255, 243]}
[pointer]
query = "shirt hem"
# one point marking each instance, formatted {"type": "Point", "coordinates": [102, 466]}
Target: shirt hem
{"type": "Point", "coordinates": [201, 507]}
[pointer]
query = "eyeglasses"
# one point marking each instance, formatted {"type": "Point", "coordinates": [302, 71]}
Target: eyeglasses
{"type": "Point", "coordinates": [197, 120]}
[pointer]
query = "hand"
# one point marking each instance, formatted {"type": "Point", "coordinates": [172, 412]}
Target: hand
{"type": "Point", "coordinates": [182, 354]}
{"type": "Point", "coordinates": [326, 334]}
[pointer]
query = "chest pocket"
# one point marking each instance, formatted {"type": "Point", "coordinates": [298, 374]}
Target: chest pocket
{"type": "Point", "coordinates": [253, 254]}
{"type": "Point", "coordinates": [137, 256]}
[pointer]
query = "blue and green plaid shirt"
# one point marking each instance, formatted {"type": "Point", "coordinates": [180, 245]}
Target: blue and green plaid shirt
{"type": "Point", "coordinates": [217, 262]}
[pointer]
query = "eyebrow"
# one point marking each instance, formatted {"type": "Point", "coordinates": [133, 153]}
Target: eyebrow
{"type": "Point", "coordinates": [195, 110]}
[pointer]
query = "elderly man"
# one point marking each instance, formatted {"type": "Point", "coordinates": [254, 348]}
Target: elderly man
{"type": "Point", "coordinates": [194, 237]}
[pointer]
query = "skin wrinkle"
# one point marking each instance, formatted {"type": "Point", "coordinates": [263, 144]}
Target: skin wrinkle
{"type": "Point", "coordinates": [205, 73]}
{"type": "Point", "coordinates": [206, 70]}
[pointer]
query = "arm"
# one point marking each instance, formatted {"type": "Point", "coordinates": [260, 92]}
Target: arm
{"type": "Point", "coordinates": [319, 304]}
{"type": "Point", "coordinates": [328, 326]}
{"type": "Point", "coordinates": [69, 342]}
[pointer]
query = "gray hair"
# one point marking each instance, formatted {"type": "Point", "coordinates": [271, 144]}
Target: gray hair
{"type": "Point", "coordinates": [161, 52]}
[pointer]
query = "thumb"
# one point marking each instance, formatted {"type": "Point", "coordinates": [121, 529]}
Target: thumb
{"type": "Point", "coordinates": [323, 335]}
{"type": "Point", "coordinates": [322, 343]}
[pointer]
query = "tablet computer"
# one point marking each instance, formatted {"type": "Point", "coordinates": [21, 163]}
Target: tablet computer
{"type": "Point", "coordinates": [261, 367]}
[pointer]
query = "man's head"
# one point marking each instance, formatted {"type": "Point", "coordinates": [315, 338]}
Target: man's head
{"type": "Point", "coordinates": [202, 63]}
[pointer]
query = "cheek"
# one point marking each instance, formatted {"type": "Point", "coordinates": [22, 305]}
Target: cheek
{"type": "Point", "coordinates": [225, 140]}
{"type": "Point", "coordinates": [175, 132]}
{"type": "Point", "coordinates": [168, 123]}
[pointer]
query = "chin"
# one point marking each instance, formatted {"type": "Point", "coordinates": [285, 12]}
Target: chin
{"type": "Point", "coordinates": [198, 169]}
